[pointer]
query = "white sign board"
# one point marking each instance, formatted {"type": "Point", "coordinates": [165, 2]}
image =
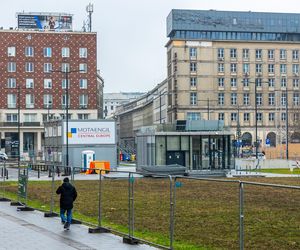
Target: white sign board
{"type": "Point", "coordinates": [92, 132]}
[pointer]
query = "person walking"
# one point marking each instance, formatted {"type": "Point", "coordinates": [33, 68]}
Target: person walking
{"type": "Point", "coordinates": [68, 195]}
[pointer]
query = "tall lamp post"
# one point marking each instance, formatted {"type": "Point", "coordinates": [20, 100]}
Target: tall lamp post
{"type": "Point", "coordinates": [67, 72]}
{"type": "Point", "coordinates": [287, 123]}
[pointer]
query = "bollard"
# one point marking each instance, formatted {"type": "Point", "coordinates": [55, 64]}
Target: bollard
{"type": "Point", "coordinates": [39, 173]}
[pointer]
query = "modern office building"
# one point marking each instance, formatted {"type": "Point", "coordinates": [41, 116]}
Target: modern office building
{"type": "Point", "coordinates": [219, 62]}
{"type": "Point", "coordinates": [33, 68]}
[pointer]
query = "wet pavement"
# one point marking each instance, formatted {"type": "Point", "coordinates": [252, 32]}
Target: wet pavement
{"type": "Point", "coordinates": [31, 230]}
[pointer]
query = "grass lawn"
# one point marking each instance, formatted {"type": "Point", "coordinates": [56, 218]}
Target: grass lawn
{"type": "Point", "coordinates": [295, 171]}
{"type": "Point", "coordinates": [206, 215]}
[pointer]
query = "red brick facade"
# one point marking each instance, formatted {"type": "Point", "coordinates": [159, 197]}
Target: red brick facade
{"type": "Point", "coordinates": [56, 41]}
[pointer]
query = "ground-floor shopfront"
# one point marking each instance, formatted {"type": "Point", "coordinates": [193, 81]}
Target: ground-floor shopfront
{"type": "Point", "coordinates": [31, 141]}
{"type": "Point", "coordinates": [200, 150]}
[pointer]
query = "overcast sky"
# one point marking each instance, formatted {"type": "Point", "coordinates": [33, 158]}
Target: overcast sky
{"type": "Point", "coordinates": [132, 33]}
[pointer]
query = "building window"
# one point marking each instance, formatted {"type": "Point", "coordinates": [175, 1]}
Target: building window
{"type": "Point", "coordinates": [29, 101]}
{"type": "Point", "coordinates": [246, 68]}
{"type": "Point", "coordinates": [64, 84]}
{"type": "Point", "coordinates": [233, 116]}
{"type": "Point", "coordinates": [283, 116]}
{"type": "Point", "coordinates": [233, 82]}
{"type": "Point", "coordinates": [233, 53]}
{"type": "Point", "coordinates": [296, 99]}
{"type": "Point", "coordinates": [11, 51]}
{"type": "Point", "coordinates": [295, 54]}
{"type": "Point", "coordinates": [11, 67]}
{"type": "Point", "coordinates": [47, 67]}
{"type": "Point", "coordinates": [296, 83]}
{"type": "Point", "coordinates": [30, 117]}
{"type": "Point", "coordinates": [258, 82]}
{"type": "Point", "coordinates": [193, 52]}
{"type": "Point", "coordinates": [282, 55]}
{"type": "Point", "coordinates": [11, 100]}
{"type": "Point", "coordinates": [246, 82]}
{"type": "Point", "coordinates": [83, 116]}
{"type": "Point", "coordinates": [271, 82]}
{"type": "Point", "coordinates": [193, 81]}
{"type": "Point", "coordinates": [245, 53]}
{"type": "Point", "coordinates": [295, 68]}
{"type": "Point", "coordinates": [258, 68]}
{"type": "Point", "coordinates": [65, 67]}
{"type": "Point", "coordinates": [221, 99]}
{"type": "Point", "coordinates": [220, 53]}
{"type": "Point", "coordinates": [221, 117]}
{"type": "Point", "coordinates": [83, 52]}
{"type": "Point", "coordinates": [11, 83]}
{"type": "Point", "coordinates": [221, 67]}
{"type": "Point", "coordinates": [192, 116]}
{"type": "Point", "coordinates": [29, 67]}
{"type": "Point", "coordinates": [47, 52]}
{"type": "Point", "coordinates": [193, 67]}
{"type": "Point", "coordinates": [283, 99]}
{"type": "Point", "coordinates": [111, 107]}
{"type": "Point", "coordinates": [48, 101]}
{"type": "Point", "coordinates": [271, 99]}
{"type": "Point", "coordinates": [259, 99]}
{"type": "Point", "coordinates": [29, 83]}
{"type": "Point", "coordinates": [246, 117]}
{"type": "Point", "coordinates": [259, 117]}
{"type": "Point", "coordinates": [271, 54]}
{"type": "Point", "coordinates": [246, 99]}
{"type": "Point", "coordinates": [221, 82]}
{"type": "Point", "coordinates": [271, 68]}
{"type": "Point", "coordinates": [11, 117]}
{"type": "Point", "coordinates": [233, 68]}
{"type": "Point", "coordinates": [193, 98]}
{"type": "Point", "coordinates": [282, 68]}
{"type": "Point", "coordinates": [83, 101]}
{"type": "Point", "coordinates": [258, 54]}
{"type": "Point", "coordinates": [271, 117]}
{"type": "Point", "coordinates": [64, 101]}
{"type": "Point", "coordinates": [83, 83]}
{"type": "Point", "coordinates": [283, 82]}
{"type": "Point", "coordinates": [28, 51]}
{"type": "Point", "coordinates": [65, 52]}
{"type": "Point", "coordinates": [83, 67]}
{"type": "Point", "coordinates": [233, 98]}
{"type": "Point", "coordinates": [47, 83]}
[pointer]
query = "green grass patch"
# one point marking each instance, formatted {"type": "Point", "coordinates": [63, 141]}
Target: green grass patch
{"type": "Point", "coordinates": [206, 214]}
{"type": "Point", "coordinates": [295, 171]}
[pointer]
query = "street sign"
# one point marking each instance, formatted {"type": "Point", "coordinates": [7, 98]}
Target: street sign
{"type": "Point", "coordinates": [268, 142]}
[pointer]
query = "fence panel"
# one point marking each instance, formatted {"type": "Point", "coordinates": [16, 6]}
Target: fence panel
{"type": "Point", "coordinates": [271, 217]}
{"type": "Point", "coordinates": [152, 209]}
{"type": "Point", "coordinates": [206, 213]}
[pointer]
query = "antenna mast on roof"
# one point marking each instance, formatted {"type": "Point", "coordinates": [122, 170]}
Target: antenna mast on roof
{"type": "Point", "coordinates": [90, 10]}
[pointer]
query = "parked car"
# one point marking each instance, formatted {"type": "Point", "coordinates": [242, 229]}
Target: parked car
{"type": "Point", "coordinates": [3, 156]}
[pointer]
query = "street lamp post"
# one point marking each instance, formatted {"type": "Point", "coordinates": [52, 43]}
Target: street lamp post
{"type": "Point", "coordinates": [67, 72]}
{"type": "Point", "coordinates": [256, 142]}
{"type": "Point", "coordinates": [287, 123]}
{"type": "Point", "coordinates": [19, 129]}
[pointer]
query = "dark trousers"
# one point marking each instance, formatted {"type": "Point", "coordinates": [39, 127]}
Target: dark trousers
{"type": "Point", "coordinates": [63, 216]}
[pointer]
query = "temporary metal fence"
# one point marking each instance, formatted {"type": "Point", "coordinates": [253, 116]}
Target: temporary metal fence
{"type": "Point", "coordinates": [213, 213]}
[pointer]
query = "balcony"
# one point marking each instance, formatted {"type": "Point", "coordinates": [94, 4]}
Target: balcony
{"type": "Point", "coordinates": [24, 124]}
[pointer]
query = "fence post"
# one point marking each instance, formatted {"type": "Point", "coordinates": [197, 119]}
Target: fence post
{"type": "Point", "coordinates": [4, 175]}
{"type": "Point", "coordinates": [172, 211]}
{"type": "Point", "coordinates": [99, 228]}
{"type": "Point", "coordinates": [241, 213]}
{"type": "Point", "coordinates": [51, 213]}
{"type": "Point", "coordinates": [130, 239]}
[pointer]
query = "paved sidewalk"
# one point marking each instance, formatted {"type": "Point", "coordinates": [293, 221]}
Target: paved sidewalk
{"type": "Point", "coordinates": [31, 230]}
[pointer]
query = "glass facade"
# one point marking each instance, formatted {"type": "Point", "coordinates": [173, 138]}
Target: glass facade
{"type": "Point", "coordinates": [229, 25]}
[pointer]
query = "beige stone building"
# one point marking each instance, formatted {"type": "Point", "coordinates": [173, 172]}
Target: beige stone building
{"type": "Point", "coordinates": [218, 62]}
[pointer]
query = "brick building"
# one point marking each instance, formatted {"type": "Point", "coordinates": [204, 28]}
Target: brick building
{"type": "Point", "coordinates": [33, 83]}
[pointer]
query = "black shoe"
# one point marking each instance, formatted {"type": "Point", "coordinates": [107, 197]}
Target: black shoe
{"type": "Point", "coordinates": [67, 226]}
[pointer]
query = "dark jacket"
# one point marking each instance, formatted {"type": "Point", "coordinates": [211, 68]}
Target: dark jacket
{"type": "Point", "coordinates": [68, 194]}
